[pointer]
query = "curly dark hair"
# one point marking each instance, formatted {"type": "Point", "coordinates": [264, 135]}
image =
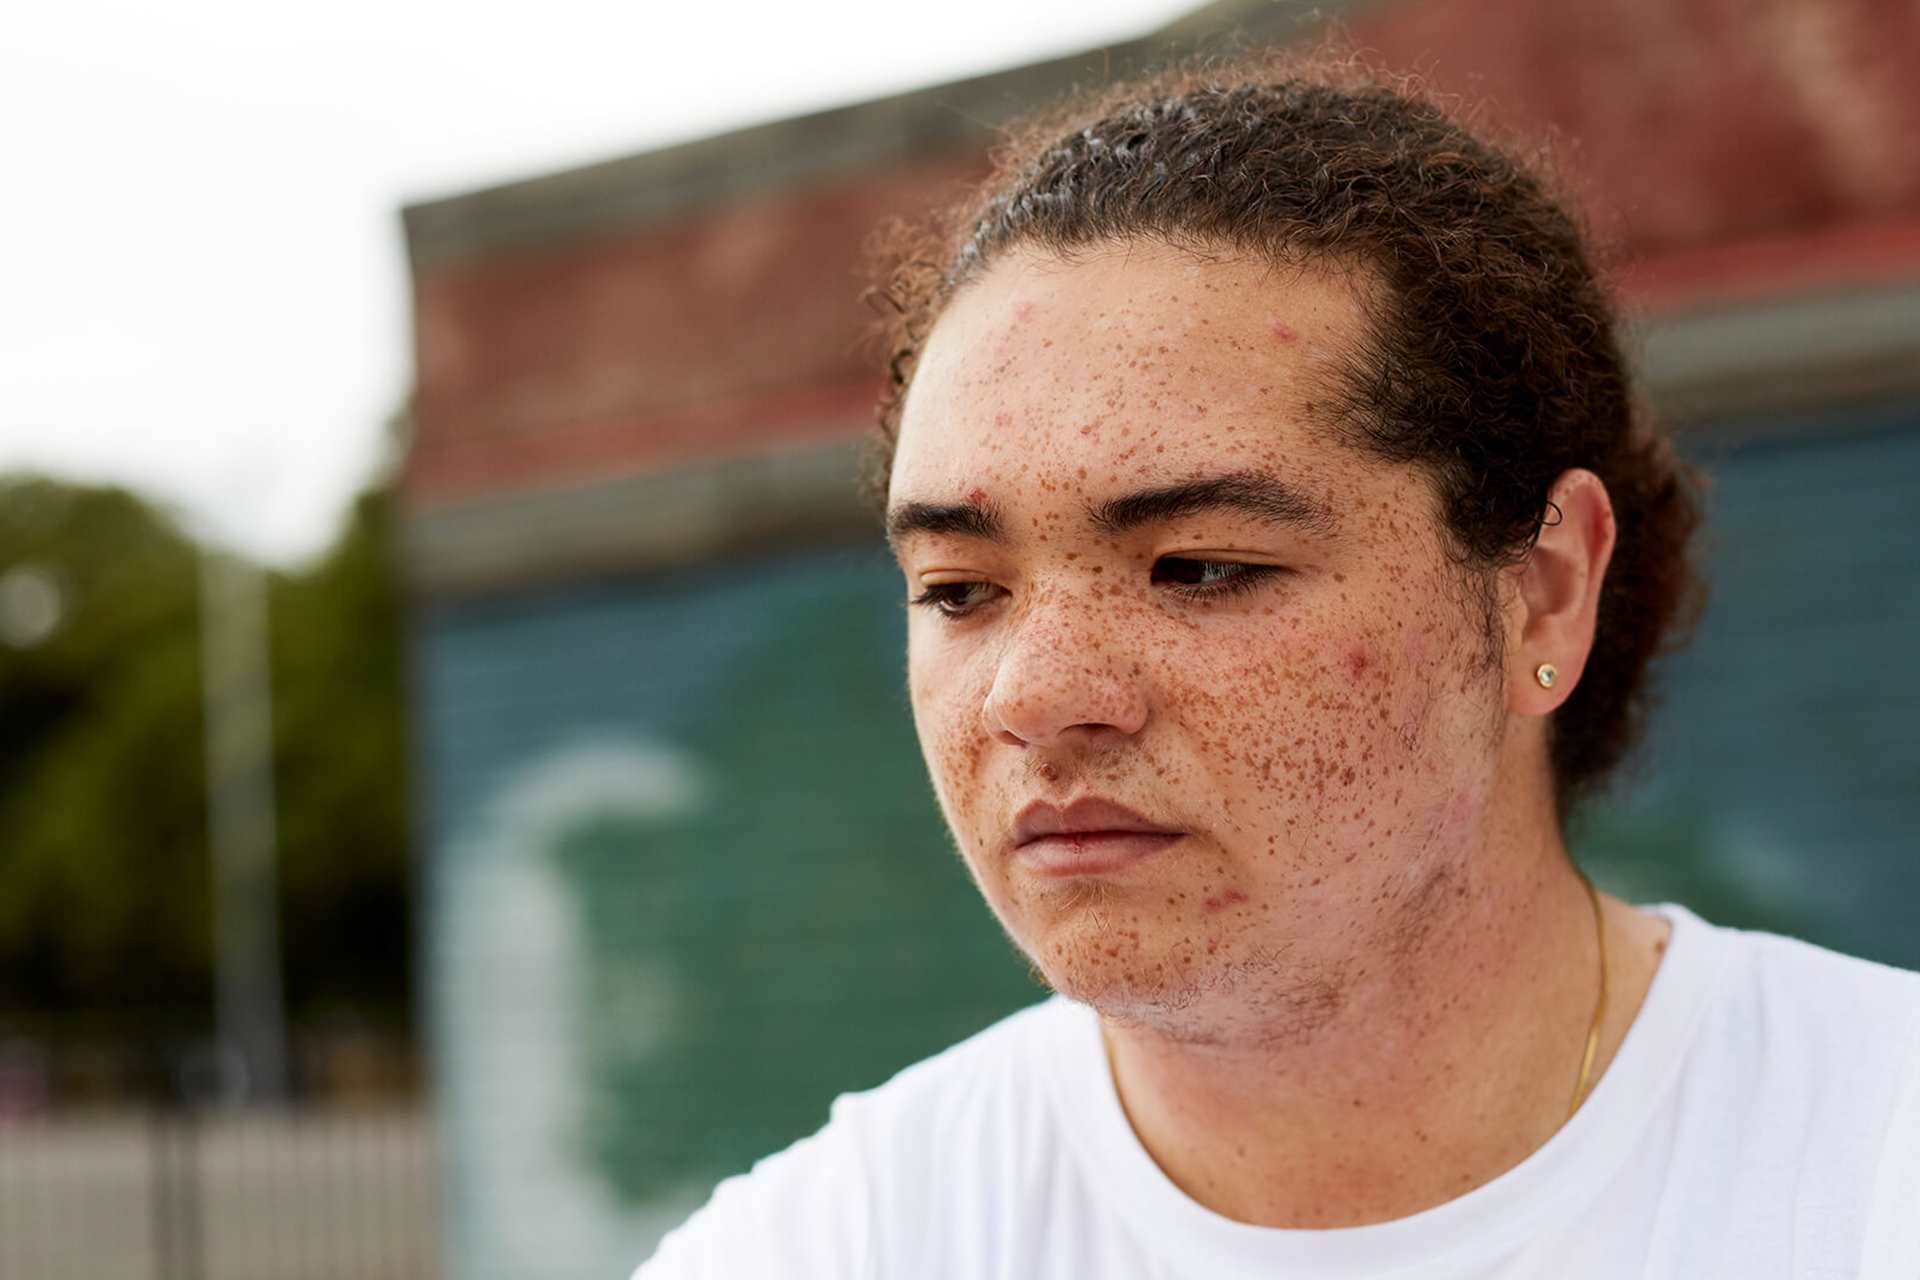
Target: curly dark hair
{"type": "Point", "coordinates": [1491, 359]}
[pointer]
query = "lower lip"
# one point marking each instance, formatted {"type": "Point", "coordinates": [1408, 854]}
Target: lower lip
{"type": "Point", "coordinates": [1092, 853]}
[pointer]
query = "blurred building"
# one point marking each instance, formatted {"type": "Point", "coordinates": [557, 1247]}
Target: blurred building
{"type": "Point", "coordinates": [685, 881]}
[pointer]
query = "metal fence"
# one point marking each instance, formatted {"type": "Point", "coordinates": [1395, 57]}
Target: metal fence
{"type": "Point", "coordinates": [297, 1194]}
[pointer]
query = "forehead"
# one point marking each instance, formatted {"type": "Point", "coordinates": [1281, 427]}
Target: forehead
{"type": "Point", "coordinates": [1135, 363]}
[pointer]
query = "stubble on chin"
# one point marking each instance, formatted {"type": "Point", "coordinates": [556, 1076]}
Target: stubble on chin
{"type": "Point", "coordinates": [1258, 993]}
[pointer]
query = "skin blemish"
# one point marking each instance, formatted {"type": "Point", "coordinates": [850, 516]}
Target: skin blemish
{"type": "Point", "coordinates": [1284, 332]}
{"type": "Point", "coordinates": [1358, 661]}
{"type": "Point", "coordinates": [1221, 901]}
{"type": "Point", "coordinates": [977, 498]}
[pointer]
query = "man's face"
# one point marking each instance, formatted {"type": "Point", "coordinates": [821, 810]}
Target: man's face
{"type": "Point", "coordinates": [1204, 699]}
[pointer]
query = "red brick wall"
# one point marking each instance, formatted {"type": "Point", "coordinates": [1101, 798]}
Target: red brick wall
{"type": "Point", "coordinates": [736, 327]}
{"type": "Point", "coordinates": [1692, 122]}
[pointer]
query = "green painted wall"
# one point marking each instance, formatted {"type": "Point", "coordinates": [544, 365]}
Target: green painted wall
{"type": "Point", "coordinates": [1782, 785]}
{"type": "Point", "coordinates": [783, 920]}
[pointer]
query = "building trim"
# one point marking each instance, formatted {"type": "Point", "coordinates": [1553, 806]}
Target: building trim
{"type": "Point", "coordinates": [1773, 358]}
{"type": "Point", "coordinates": [638, 523]}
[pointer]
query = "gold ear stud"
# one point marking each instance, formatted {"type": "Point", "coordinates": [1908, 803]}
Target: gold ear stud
{"type": "Point", "coordinates": [1546, 673]}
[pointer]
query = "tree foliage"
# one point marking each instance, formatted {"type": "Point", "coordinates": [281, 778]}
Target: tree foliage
{"type": "Point", "coordinates": [104, 862]}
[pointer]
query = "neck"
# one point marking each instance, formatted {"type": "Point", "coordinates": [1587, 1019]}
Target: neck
{"type": "Point", "coordinates": [1437, 1075]}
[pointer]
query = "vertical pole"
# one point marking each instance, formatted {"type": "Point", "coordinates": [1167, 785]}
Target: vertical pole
{"type": "Point", "coordinates": [187, 1197]}
{"type": "Point", "coordinates": [159, 1198]}
{"type": "Point", "coordinates": [240, 810]}
{"type": "Point", "coordinates": [174, 1197]}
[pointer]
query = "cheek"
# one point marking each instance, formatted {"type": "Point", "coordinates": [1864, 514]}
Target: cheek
{"type": "Point", "coordinates": [1339, 732]}
{"type": "Point", "coordinates": [1409, 748]}
{"type": "Point", "coordinates": [946, 717]}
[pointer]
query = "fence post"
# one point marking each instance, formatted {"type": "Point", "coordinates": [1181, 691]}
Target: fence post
{"type": "Point", "coordinates": [159, 1212]}
{"type": "Point", "coordinates": [174, 1165]}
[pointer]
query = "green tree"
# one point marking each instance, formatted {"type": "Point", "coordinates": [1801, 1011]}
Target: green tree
{"type": "Point", "coordinates": [104, 881]}
{"type": "Point", "coordinates": [103, 863]}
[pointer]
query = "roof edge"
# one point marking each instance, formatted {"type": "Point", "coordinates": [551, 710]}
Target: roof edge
{"type": "Point", "coordinates": [922, 124]}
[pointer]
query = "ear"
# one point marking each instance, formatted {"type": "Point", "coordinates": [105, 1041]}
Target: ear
{"type": "Point", "coordinates": [1551, 614]}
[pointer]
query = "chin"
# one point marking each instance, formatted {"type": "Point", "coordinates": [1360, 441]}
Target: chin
{"type": "Point", "coordinates": [1187, 993]}
{"type": "Point", "coordinates": [1097, 957]}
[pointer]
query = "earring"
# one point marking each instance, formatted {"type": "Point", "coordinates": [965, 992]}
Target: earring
{"type": "Point", "coordinates": [1546, 673]}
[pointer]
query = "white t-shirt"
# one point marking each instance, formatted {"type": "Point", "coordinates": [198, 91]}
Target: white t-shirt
{"type": "Point", "coordinates": [1761, 1119]}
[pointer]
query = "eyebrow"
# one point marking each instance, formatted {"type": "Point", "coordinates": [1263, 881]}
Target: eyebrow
{"type": "Point", "coordinates": [966, 519]}
{"type": "Point", "coordinates": [1239, 492]}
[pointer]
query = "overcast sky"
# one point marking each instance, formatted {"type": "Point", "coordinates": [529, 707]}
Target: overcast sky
{"type": "Point", "coordinates": [202, 281]}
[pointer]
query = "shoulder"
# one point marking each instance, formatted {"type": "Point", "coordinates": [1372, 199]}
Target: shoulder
{"type": "Point", "coordinates": [1835, 1009]}
{"type": "Point", "coordinates": [977, 1091]}
{"type": "Point", "coordinates": [1839, 1033]}
{"type": "Point", "coordinates": [825, 1205]}
{"type": "Point", "coordinates": [1820, 1054]}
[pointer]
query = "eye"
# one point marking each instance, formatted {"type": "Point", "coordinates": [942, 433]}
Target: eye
{"type": "Point", "coordinates": [1211, 577]}
{"type": "Point", "coordinates": [955, 599]}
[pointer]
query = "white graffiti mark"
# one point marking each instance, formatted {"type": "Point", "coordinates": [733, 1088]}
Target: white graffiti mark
{"type": "Point", "coordinates": [507, 975]}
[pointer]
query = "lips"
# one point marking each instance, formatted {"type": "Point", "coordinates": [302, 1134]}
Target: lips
{"type": "Point", "coordinates": [1087, 837]}
{"type": "Point", "coordinates": [1090, 816]}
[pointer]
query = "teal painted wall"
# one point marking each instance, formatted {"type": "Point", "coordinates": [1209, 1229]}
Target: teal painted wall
{"type": "Point", "coordinates": [777, 919]}
{"type": "Point", "coordinates": [687, 882]}
{"type": "Point", "coordinates": [1781, 788]}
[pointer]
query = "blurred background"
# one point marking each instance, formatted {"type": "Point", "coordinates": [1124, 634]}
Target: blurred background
{"type": "Point", "coordinates": [457, 799]}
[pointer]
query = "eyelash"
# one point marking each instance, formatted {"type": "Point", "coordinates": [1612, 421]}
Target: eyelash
{"type": "Point", "coordinates": [948, 599]}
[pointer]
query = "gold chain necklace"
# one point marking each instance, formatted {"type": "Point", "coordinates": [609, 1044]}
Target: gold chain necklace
{"type": "Point", "coordinates": [1599, 1005]}
{"type": "Point", "coordinates": [1593, 1028]}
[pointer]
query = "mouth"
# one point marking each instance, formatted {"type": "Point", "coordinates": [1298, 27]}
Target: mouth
{"type": "Point", "coordinates": [1091, 836]}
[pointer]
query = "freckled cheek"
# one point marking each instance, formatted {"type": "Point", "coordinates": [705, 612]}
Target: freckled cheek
{"type": "Point", "coordinates": [1415, 746]}
{"type": "Point", "coordinates": [947, 717]}
{"type": "Point", "coordinates": [959, 753]}
{"type": "Point", "coordinates": [1316, 728]}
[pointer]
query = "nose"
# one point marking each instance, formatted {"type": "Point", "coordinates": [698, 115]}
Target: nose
{"type": "Point", "coordinates": [1062, 671]}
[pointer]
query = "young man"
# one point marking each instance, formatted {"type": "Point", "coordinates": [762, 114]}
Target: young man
{"type": "Point", "coordinates": [1286, 556]}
